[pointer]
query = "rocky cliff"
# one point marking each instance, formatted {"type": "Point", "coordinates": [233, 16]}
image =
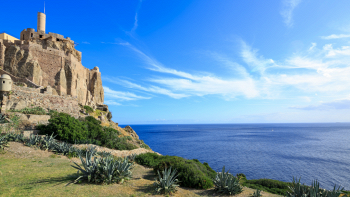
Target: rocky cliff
{"type": "Point", "coordinates": [57, 64]}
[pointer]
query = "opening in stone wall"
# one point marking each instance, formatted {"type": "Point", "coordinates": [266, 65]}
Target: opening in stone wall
{"type": "Point", "coordinates": [40, 36]}
{"type": "Point", "coordinates": [31, 35]}
{"type": "Point", "coordinates": [57, 39]}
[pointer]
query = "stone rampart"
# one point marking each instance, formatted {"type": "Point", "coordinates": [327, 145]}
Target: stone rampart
{"type": "Point", "coordinates": [23, 97]}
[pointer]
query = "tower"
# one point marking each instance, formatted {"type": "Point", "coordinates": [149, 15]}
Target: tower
{"type": "Point", "coordinates": [41, 22]}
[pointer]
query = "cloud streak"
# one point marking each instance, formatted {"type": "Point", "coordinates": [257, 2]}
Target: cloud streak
{"type": "Point", "coordinates": [121, 96]}
{"type": "Point", "coordinates": [335, 36]}
{"type": "Point", "coordinates": [287, 11]}
{"type": "Point", "coordinates": [337, 104]}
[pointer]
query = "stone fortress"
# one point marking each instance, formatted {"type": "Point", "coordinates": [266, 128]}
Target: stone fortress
{"type": "Point", "coordinates": [47, 69]}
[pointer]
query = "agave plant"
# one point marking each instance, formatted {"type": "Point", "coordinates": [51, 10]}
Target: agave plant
{"type": "Point", "coordinates": [62, 148]}
{"type": "Point", "coordinates": [49, 142]}
{"type": "Point", "coordinates": [132, 157]}
{"type": "Point", "coordinates": [123, 170]}
{"type": "Point", "coordinates": [107, 169]}
{"type": "Point", "coordinates": [301, 190]}
{"type": "Point", "coordinates": [3, 142]}
{"type": "Point", "coordinates": [227, 183]}
{"type": "Point", "coordinates": [168, 182]}
{"type": "Point", "coordinates": [257, 193]}
{"type": "Point", "coordinates": [3, 119]}
{"type": "Point", "coordinates": [20, 138]}
{"type": "Point", "coordinates": [11, 137]}
{"type": "Point", "coordinates": [104, 154]}
{"type": "Point", "coordinates": [89, 168]}
{"type": "Point", "coordinates": [33, 140]}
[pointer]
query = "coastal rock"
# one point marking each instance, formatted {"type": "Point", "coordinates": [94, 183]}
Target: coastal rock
{"type": "Point", "coordinates": [131, 131]}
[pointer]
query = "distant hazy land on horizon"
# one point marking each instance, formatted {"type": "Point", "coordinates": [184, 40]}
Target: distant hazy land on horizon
{"type": "Point", "coordinates": [276, 151]}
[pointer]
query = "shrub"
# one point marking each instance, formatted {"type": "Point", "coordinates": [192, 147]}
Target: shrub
{"type": "Point", "coordinates": [88, 109]}
{"type": "Point", "coordinates": [227, 183]}
{"type": "Point", "coordinates": [109, 116]}
{"type": "Point", "coordinates": [84, 131]}
{"type": "Point", "coordinates": [269, 185]}
{"type": "Point", "coordinates": [66, 128]}
{"type": "Point", "coordinates": [167, 183]}
{"type": "Point", "coordinates": [35, 110]}
{"type": "Point", "coordinates": [191, 173]}
{"type": "Point", "coordinates": [147, 159]}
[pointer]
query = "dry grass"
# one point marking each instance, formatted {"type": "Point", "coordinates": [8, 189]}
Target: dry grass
{"type": "Point", "coordinates": [26, 171]}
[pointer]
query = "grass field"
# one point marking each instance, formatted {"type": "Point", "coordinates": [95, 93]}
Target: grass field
{"type": "Point", "coordinates": [25, 171]}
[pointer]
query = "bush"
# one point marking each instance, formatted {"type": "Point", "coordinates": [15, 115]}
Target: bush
{"type": "Point", "coordinates": [191, 173]}
{"type": "Point", "coordinates": [109, 116]}
{"type": "Point", "coordinates": [66, 128]}
{"type": "Point", "coordinates": [88, 109]}
{"type": "Point", "coordinates": [147, 159]}
{"type": "Point", "coordinates": [269, 185]}
{"type": "Point", "coordinates": [84, 131]}
{"type": "Point", "coordinates": [35, 110]}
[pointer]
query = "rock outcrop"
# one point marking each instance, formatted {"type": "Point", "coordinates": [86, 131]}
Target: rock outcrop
{"type": "Point", "coordinates": [56, 64]}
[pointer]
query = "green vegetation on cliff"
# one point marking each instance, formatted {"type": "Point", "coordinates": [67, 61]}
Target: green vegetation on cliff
{"type": "Point", "coordinates": [87, 130]}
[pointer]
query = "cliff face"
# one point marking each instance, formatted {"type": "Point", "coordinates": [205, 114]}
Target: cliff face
{"type": "Point", "coordinates": [57, 64]}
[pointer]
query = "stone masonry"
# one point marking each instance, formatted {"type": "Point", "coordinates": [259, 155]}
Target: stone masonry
{"type": "Point", "coordinates": [52, 60]}
{"type": "Point", "coordinates": [35, 97]}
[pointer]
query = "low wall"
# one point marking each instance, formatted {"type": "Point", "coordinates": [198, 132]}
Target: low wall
{"type": "Point", "coordinates": [23, 97]}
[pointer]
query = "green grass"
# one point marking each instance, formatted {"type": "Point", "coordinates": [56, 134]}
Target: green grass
{"type": "Point", "coordinates": [47, 176]}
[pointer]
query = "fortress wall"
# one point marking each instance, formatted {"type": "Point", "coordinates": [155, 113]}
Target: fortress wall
{"type": "Point", "coordinates": [50, 61]}
{"type": "Point", "coordinates": [29, 97]}
{"type": "Point", "coordinates": [2, 52]}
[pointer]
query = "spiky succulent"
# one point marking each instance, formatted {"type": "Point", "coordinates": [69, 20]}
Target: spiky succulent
{"type": "Point", "coordinates": [61, 148]}
{"type": "Point", "coordinates": [89, 168]}
{"type": "Point", "coordinates": [166, 182]}
{"type": "Point", "coordinates": [3, 141]}
{"type": "Point", "coordinates": [123, 170]}
{"type": "Point", "coordinates": [3, 118]}
{"type": "Point", "coordinates": [227, 183]}
{"type": "Point", "coordinates": [49, 142]}
{"type": "Point", "coordinates": [104, 154]}
{"type": "Point", "coordinates": [34, 140]}
{"type": "Point", "coordinates": [257, 193]}
{"type": "Point", "coordinates": [301, 190]}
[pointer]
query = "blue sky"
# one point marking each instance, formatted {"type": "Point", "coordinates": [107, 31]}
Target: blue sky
{"type": "Point", "coordinates": [201, 61]}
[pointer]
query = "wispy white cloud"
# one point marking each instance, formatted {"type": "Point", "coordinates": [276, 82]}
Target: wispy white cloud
{"type": "Point", "coordinates": [337, 104]}
{"type": "Point", "coordinates": [335, 36]}
{"type": "Point", "coordinates": [313, 71]}
{"type": "Point", "coordinates": [250, 57]}
{"type": "Point", "coordinates": [287, 11]}
{"type": "Point", "coordinates": [122, 96]}
{"type": "Point", "coordinates": [111, 102]}
{"type": "Point", "coordinates": [151, 89]}
{"type": "Point", "coordinates": [85, 42]}
{"type": "Point", "coordinates": [313, 45]}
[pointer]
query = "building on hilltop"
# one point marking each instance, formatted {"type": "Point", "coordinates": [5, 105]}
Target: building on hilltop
{"type": "Point", "coordinates": [51, 60]}
{"type": "Point", "coordinates": [5, 36]}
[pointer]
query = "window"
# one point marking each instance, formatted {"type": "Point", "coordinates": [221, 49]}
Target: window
{"type": "Point", "coordinates": [40, 36]}
{"type": "Point", "coordinates": [3, 81]}
{"type": "Point", "coordinates": [57, 39]}
{"type": "Point", "coordinates": [31, 35]}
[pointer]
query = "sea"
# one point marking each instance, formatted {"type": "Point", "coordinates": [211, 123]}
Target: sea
{"type": "Point", "coordinates": [305, 151]}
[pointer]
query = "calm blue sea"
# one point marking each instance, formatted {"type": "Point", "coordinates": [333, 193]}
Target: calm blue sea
{"type": "Point", "coordinates": [274, 151]}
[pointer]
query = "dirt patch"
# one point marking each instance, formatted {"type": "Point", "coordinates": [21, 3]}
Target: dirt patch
{"type": "Point", "coordinates": [118, 153]}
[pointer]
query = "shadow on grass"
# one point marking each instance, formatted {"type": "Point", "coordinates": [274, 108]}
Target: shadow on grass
{"type": "Point", "coordinates": [54, 180]}
{"type": "Point", "coordinates": [149, 176]}
{"type": "Point", "coordinates": [149, 189]}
